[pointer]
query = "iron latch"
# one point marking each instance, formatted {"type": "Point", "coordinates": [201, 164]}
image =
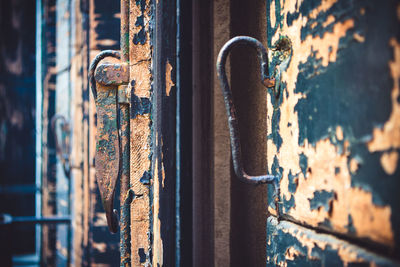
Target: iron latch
{"type": "Point", "coordinates": [109, 84]}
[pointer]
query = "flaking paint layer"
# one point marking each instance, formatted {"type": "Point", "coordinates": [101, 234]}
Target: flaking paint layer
{"type": "Point", "coordinates": [168, 78]}
{"type": "Point", "coordinates": [330, 164]}
{"type": "Point", "coordinates": [140, 52]}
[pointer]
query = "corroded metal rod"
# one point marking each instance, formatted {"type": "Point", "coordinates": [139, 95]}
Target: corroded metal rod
{"type": "Point", "coordinates": [230, 108]}
{"type": "Point", "coordinates": [124, 124]}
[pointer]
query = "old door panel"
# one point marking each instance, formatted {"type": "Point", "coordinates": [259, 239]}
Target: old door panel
{"type": "Point", "coordinates": [335, 134]}
{"type": "Point", "coordinates": [291, 245]}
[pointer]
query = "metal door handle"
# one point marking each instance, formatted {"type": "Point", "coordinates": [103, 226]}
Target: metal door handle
{"type": "Point", "coordinates": [230, 108]}
{"type": "Point", "coordinates": [64, 150]}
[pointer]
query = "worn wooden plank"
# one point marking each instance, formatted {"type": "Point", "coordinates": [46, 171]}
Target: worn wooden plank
{"type": "Point", "coordinates": [221, 146]}
{"type": "Point", "coordinates": [140, 50]}
{"type": "Point", "coordinates": [289, 244]}
{"type": "Point", "coordinates": [335, 134]}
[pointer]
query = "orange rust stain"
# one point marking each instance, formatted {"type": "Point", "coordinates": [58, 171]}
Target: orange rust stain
{"type": "Point", "coordinates": [168, 78]}
{"type": "Point", "coordinates": [388, 137]}
{"type": "Point", "coordinates": [329, 168]}
{"type": "Point", "coordinates": [389, 162]}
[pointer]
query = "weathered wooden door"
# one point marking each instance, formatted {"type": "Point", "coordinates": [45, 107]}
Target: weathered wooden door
{"type": "Point", "coordinates": [335, 133]}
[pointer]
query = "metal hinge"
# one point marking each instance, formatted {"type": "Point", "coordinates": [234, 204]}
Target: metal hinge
{"type": "Point", "coordinates": [109, 84]}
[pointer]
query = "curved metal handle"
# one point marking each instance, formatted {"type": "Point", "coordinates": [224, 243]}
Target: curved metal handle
{"type": "Point", "coordinates": [63, 151]}
{"type": "Point", "coordinates": [108, 142]}
{"type": "Point", "coordinates": [230, 108]}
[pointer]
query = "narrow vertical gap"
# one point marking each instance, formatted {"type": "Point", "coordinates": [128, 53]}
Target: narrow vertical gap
{"type": "Point", "coordinates": [220, 141]}
{"type": "Point", "coordinates": [203, 221]}
{"type": "Point", "coordinates": [184, 175]}
{"type": "Point", "coordinates": [249, 202]}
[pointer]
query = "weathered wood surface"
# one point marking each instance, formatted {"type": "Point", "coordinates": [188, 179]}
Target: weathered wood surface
{"type": "Point", "coordinates": [164, 134]}
{"type": "Point", "coordinates": [140, 60]}
{"type": "Point", "coordinates": [335, 134]}
{"type": "Point", "coordinates": [289, 244]}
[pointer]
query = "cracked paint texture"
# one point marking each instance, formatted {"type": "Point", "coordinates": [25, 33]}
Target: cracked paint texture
{"type": "Point", "coordinates": [291, 245]}
{"type": "Point", "coordinates": [335, 134]}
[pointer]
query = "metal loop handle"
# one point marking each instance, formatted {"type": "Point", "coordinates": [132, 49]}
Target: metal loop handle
{"type": "Point", "coordinates": [230, 108]}
{"type": "Point", "coordinates": [64, 151]}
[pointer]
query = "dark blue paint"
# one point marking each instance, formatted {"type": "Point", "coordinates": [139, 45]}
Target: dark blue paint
{"type": "Point", "coordinates": [321, 199]}
{"type": "Point", "coordinates": [139, 105]}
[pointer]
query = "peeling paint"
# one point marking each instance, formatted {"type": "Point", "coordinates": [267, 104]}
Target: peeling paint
{"type": "Point", "coordinates": [369, 219]}
{"type": "Point", "coordinates": [388, 137]}
{"type": "Point", "coordinates": [354, 164]}
{"type": "Point", "coordinates": [389, 162]}
{"type": "Point", "coordinates": [168, 78]}
{"type": "Point", "coordinates": [140, 51]}
{"type": "Point", "coordinates": [329, 163]}
{"type": "Point", "coordinates": [293, 245]}
{"type": "Point", "coordinates": [292, 253]}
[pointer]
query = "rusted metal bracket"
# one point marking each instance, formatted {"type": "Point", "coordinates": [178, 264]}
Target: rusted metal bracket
{"type": "Point", "coordinates": [112, 74]}
{"type": "Point", "coordinates": [109, 87]}
{"type": "Point", "coordinates": [63, 150]}
{"type": "Point", "coordinates": [267, 81]}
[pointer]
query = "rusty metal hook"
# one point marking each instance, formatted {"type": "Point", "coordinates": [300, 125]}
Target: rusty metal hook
{"type": "Point", "coordinates": [230, 108]}
{"type": "Point", "coordinates": [107, 195]}
{"type": "Point", "coordinates": [63, 151]}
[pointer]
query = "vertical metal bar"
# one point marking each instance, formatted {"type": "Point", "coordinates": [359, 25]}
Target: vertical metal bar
{"type": "Point", "coordinates": [125, 240]}
{"type": "Point", "coordinates": [125, 198]}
